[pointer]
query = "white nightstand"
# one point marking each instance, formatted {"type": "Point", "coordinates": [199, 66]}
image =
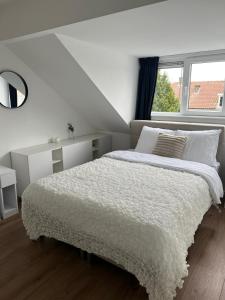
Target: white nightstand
{"type": "Point", "coordinates": [8, 194]}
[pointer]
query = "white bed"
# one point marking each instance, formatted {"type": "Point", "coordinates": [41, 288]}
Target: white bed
{"type": "Point", "coordinates": [138, 210]}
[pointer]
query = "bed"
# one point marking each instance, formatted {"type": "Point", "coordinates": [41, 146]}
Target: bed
{"type": "Point", "coordinates": [138, 210]}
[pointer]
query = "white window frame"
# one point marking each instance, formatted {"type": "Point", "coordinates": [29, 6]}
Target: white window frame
{"type": "Point", "coordinates": [171, 65]}
{"type": "Point", "coordinates": [186, 86]}
{"type": "Point", "coordinates": [186, 63]}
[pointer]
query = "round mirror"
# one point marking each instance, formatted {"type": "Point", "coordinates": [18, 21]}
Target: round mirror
{"type": "Point", "coordinates": [13, 90]}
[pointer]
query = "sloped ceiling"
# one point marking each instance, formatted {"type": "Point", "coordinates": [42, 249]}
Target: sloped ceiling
{"type": "Point", "coordinates": [21, 17]}
{"type": "Point", "coordinates": [167, 28]}
{"type": "Point", "coordinates": [114, 74]}
{"type": "Point", "coordinates": [51, 61]}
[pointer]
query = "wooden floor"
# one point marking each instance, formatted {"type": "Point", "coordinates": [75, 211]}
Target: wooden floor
{"type": "Point", "coordinates": [51, 270]}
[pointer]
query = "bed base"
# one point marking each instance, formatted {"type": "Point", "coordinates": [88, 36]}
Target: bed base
{"type": "Point", "coordinates": [84, 255]}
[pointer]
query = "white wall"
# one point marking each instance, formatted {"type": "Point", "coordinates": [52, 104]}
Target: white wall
{"type": "Point", "coordinates": [114, 74]}
{"type": "Point", "coordinates": [120, 141]}
{"type": "Point", "coordinates": [44, 115]}
{"type": "Point", "coordinates": [50, 60]}
{"type": "Point", "coordinates": [22, 17]}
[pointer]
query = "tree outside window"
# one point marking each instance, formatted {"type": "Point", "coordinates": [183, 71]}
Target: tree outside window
{"type": "Point", "coordinates": [168, 90]}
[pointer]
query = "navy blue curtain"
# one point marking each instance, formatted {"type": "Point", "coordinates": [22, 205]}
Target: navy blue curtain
{"type": "Point", "coordinates": [146, 87]}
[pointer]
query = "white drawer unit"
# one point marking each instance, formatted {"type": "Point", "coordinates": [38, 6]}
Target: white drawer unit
{"type": "Point", "coordinates": [40, 165]}
{"type": "Point", "coordinates": [85, 154]}
{"type": "Point", "coordinates": [31, 167]}
{"type": "Point", "coordinates": [40, 161]}
{"type": "Point", "coordinates": [8, 194]}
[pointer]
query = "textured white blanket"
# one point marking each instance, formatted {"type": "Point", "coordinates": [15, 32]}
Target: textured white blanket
{"type": "Point", "coordinates": [140, 216]}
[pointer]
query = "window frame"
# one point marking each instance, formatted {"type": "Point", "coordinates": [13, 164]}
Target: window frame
{"type": "Point", "coordinates": [187, 82]}
{"type": "Point", "coordinates": [171, 65]}
{"type": "Point", "coordinates": [186, 64]}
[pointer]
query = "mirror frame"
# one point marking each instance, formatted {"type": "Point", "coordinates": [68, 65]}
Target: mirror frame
{"type": "Point", "coordinates": [25, 86]}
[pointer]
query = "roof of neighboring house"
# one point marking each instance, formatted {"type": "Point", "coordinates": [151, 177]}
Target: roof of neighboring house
{"type": "Point", "coordinates": [203, 94]}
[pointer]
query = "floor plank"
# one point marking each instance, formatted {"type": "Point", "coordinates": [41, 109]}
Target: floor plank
{"type": "Point", "coordinates": [48, 269]}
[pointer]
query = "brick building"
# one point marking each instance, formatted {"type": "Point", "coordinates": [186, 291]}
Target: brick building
{"type": "Point", "coordinates": [203, 94]}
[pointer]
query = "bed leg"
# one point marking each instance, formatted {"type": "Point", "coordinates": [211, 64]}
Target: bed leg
{"type": "Point", "coordinates": [134, 283]}
{"type": "Point", "coordinates": [85, 256]}
{"type": "Point", "coordinates": [82, 254]}
{"type": "Point", "coordinates": [89, 257]}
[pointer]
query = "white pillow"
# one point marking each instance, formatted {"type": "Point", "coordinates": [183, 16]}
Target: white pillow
{"type": "Point", "coordinates": [148, 138]}
{"type": "Point", "coordinates": [201, 146]}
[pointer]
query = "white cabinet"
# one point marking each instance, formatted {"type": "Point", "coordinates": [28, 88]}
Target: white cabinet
{"type": "Point", "coordinates": [8, 195]}
{"type": "Point", "coordinates": [31, 167]}
{"type": "Point", "coordinates": [40, 161]}
{"type": "Point", "coordinates": [76, 154]}
{"type": "Point", "coordinates": [40, 165]}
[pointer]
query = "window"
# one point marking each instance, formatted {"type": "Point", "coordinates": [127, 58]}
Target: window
{"type": "Point", "coordinates": [194, 86]}
{"type": "Point", "coordinates": [206, 83]}
{"type": "Point", "coordinates": [168, 91]}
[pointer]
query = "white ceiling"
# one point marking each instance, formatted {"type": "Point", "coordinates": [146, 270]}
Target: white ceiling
{"type": "Point", "coordinates": [171, 27]}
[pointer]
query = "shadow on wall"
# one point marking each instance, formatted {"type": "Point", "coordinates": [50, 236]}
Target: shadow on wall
{"type": "Point", "coordinates": [5, 160]}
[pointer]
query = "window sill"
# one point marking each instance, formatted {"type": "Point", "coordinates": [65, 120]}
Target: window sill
{"type": "Point", "coordinates": [187, 118]}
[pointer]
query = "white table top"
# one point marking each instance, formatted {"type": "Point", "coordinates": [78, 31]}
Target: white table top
{"type": "Point", "coordinates": [54, 146]}
{"type": "Point", "coordinates": [4, 171]}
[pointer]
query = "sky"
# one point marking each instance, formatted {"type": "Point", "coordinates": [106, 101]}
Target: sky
{"type": "Point", "coordinates": [212, 71]}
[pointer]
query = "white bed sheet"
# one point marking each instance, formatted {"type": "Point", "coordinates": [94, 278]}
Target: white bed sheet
{"type": "Point", "coordinates": [210, 174]}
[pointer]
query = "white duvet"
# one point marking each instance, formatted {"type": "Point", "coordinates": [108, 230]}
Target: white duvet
{"type": "Point", "coordinates": [139, 210]}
